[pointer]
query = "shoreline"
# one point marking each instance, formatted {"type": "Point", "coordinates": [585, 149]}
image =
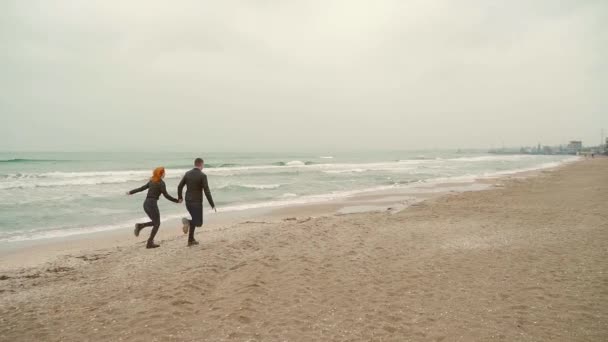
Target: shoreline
{"type": "Point", "coordinates": [236, 209]}
{"type": "Point", "coordinates": [31, 253]}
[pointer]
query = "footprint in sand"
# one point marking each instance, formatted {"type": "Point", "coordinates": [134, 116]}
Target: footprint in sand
{"type": "Point", "coordinates": [519, 307]}
{"type": "Point", "coordinates": [181, 302]}
{"type": "Point", "coordinates": [244, 319]}
{"type": "Point", "coordinates": [237, 266]}
{"type": "Point", "coordinates": [59, 269]}
{"type": "Point", "coordinates": [389, 329]}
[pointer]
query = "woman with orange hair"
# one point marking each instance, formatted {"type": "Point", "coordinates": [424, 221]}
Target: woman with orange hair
{"type": "Point", "coordinates": [155, 186]}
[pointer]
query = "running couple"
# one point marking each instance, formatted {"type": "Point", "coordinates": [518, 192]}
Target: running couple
{"type": "Point", "coordinates": [195, 181]}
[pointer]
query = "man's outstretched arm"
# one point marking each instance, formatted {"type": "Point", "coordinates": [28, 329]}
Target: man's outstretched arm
{"type": "Point", "coordinates": [208, 192]}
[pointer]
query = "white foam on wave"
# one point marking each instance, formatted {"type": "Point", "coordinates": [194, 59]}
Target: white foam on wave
{"type": "Point", "coordinates": [88, 178]}
{"type": "Point", "coordinates": [67, 232]}
{"type": "Point", "coordinates": [252, 186]}
{"type": "Point", "coordinates": [497, 157]}
{"type": "Point", "coordinates": [32, 235]}
{"type": "Point", "coordinates": [305, 199]}
{"type": "Point", "coordinates": [295, 163]}
{"type": "Point", "coordinates": [346, 171]}
{"type": "Point", "coordinates": [262, 186]}
{"type": "Point", "coordinates": [49, 184]}
{"type": "Point", "coordinates": [542, 166]}
{"type": "Point", "coordinates": [494, 174]}
{"type": "Point", "coordinates": [419, 161]}
{"type": "Point", "coordinates": [58, 179]}
{"type": "Point", "coordinates": [367, 167]}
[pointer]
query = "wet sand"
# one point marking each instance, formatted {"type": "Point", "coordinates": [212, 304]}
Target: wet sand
{"type": "Point", "coordinates": [521, 261]}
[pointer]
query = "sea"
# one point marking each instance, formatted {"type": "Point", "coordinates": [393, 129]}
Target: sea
{"type": "Point", "coordinates": [53, 195]}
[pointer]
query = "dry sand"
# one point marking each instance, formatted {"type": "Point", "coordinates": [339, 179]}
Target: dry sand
{"type": "Point", "coordinates": [525, 261]}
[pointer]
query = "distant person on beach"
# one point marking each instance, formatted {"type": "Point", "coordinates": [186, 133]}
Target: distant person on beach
{"type": "Point", "coordinates": [156, 186]}
{"type": "Point", "coordinates": [196, 182]}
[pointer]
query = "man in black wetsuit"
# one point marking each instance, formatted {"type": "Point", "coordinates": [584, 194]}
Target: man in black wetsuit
{"type": "Point", "coordinates": [196, 182]}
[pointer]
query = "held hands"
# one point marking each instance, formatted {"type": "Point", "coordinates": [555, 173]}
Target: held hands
{"type": "Point", "coordinates": [180, 200]}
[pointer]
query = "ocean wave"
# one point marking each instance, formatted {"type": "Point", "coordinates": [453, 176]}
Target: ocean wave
{"type": "Point", "coordinates": [222, 165]}
{"type": "Point", "coordinates": [369, 167]}
{"type": "Point", "coordinates": [131, 175]}
{"type": "Point", "coordinates": [78, 182]}
{"type": "Point", "coordinates": [514, 157]}
{"type": "Point", "coordinates": [88, 178]}
{"type": "Point", "coordinates": [59, 232]}
{"type": "Point", "coordinates": [415, 161]}
{"type": "Point", "coordinates": [25, 160]}
{"type": "Point", "coordinates": [346, 171]}
{"type": "Point", "coordinates": [295, 163]}
{"type": "Point", "coordinates": [57, 179]}
{"type": "Point", "coordinates": [494, 174]}
{"type": "Point", "coordinates": [71, 231]}
{"type": "Point", "coordinates": [261, 186]}
{"type": "Point", "coordinates": [537, 167]}
{"type": "Point", "coordinates": [423, 157]}
{"type": "Point", "coordinates": [250, 186]}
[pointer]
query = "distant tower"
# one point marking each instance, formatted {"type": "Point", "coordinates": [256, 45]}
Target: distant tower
{"type": "Point", "coordinates": [575, 146]}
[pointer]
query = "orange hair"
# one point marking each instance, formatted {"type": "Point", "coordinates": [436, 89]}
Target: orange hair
{"type": "Point", "coordinates": [157, 174]}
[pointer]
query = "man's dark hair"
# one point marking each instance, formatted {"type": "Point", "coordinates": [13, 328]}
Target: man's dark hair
{"type": "Point", "coordinates": [198, 162]}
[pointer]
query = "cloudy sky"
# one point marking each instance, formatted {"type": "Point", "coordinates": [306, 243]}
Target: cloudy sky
{"type": "Point", "coordinates": [301, 75]}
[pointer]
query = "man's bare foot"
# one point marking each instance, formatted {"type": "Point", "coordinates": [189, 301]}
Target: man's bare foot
{"type": "Point", "coordinates": [186, 225]}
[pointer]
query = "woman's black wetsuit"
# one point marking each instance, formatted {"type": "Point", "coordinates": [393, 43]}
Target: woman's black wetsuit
{"type": "Point", "coordinates": [155, 189]}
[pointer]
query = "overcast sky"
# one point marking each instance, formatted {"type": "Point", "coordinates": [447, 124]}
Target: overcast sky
{"type": "Point", "coordinates": [301, 75]}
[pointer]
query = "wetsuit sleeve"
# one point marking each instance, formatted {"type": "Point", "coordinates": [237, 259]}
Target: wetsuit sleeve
{"type": "Point", "coordinates": [163, 189]}
{"type": "Point", "coordinates": [140, 189]}
{"type": "Point", "coordinates": [207, 191]}
{"type": "Point", "coordinates": [180, 187]}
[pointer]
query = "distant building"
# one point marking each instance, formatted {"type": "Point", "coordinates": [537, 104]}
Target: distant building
{"type": "Point", "coordinates": [575, 146]}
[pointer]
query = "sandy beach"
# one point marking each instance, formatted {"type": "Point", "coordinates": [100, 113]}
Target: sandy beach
{"type": "Point", "coordinates": [524, 260]}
